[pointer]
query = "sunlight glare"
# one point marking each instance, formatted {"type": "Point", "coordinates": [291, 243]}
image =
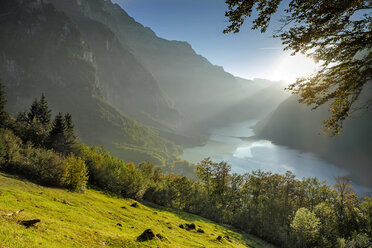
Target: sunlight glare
{"type": "Point", "coordinates": [289, 68]}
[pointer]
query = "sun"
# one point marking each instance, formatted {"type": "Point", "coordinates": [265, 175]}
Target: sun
{"type": "Point", "coordinates": [289, 68]}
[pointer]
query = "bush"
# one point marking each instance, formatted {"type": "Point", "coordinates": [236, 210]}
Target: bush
{"type": "Point", "coordinates": [44, 166]}
{"type": "Point", "coordinates": [361, 240]}
{"type": "Point", "coordinates": [10, 150]}
{"type": "Point", "coordinates": [75, 175]}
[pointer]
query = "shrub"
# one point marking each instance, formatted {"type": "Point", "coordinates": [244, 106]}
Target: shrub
{"type": "Point", "coordinates": [75, 175]}
{"type": "Point", "coordinates": [10, 150]}
{"type": "Point", "coordinates": [44, 166]}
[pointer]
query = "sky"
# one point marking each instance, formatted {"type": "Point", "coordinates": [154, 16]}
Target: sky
{"type": "Point", "coordinates": [248, 54]}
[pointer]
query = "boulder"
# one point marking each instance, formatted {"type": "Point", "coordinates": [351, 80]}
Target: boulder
{"type": "Point", "coordinates": [135, 205]}
{"type": "Point", "coordinates": [28, 223]}
{"type": "Point", "coordinates": [146, 235]}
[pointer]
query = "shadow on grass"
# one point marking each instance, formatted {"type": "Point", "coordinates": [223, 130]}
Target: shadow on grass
{"type": "Point", "coordinates": [230, 231]}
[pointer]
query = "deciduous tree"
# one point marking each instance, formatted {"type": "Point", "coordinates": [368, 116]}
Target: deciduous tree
{"type": "Point", "coordinates": [336, 33]}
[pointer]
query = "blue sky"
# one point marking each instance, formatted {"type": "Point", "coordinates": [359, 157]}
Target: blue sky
{"type": "Point", "coordinates": [249, 54]}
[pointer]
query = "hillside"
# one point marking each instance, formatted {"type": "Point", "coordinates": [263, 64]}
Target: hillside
{"type": "Point", "coordinates": [43, 51]}
{"type": "Point", "coordinates": [129, 90]}
{"type": "Point", "coordinates": [295, 125]}
{"type": "Point", "coordinates": [203, 93]}
{"type": "Point", "coordinates": [91, 220]}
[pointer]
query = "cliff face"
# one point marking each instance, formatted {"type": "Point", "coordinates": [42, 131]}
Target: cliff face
{"type": "Point", "coordinates": [43, 50]}
{"type": "Point", "coordinates": [295, 125]}
{"type": "Point", "coordinates": [198, 89]}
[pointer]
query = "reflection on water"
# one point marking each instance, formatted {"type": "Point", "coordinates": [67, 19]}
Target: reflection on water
{"type": "Point", "coordinates": [238, 146]}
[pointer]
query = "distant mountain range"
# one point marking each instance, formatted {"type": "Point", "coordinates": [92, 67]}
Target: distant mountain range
{"type": "Point", "coordinates": [128, 90]}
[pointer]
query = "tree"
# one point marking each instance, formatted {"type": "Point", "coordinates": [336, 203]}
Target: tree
{"type": "Point", "coordinates": [306, 226]}
{"type": "Point", "coordinates": [204, 173]}
{"type": "Point", "coordinates": [3, 114]}
{"type": "Point", "coordinates": [69, 128]}
{"type": "Point", "coordinates": [61, 137]}
{"type": "Point", "coordinates": [40, 112]}
{"type": "Point", "coordinates": [44, 113]}
{"type": "Point", "coordinates": [337, 33]}
{"type": "Point", "coordinates": [345, 203]}
{"type": "Point", "coordinates": [75, 174]}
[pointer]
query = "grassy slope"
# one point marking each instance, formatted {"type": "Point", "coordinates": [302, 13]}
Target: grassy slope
{"type": "Point", "coordinates": [90, 220]}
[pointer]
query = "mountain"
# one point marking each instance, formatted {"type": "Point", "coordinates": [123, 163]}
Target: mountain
{"type": "Point", "coordinates": [199, 90]}
{"type": "Point", "coordinates": [128, 90]}
{"type": "Point", "coordinates": [43, 50]}
{"type": "Point", "coordinates": [295, 125]}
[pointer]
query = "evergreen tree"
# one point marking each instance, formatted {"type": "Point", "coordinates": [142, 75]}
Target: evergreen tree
{"type": "Point", "coordinates": [57, 139]}
{"type": "Point", "coordinates": [3, 114]}
{"type": "Point", "coordinates": [69, 127]}
{"type": "Point", "coordinates": [44, 113]}
{"type": "Point", "coordinates": [61, 137]}
{"type": "Point", "coordinates": [40, 112]}
{"type": "Point", "coordinates": [33, 112]}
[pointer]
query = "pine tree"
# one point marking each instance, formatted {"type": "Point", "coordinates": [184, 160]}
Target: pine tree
{"type": "Point", "coordinates": [3, 114]}
{"type": "Point", "coordinates": [61, 137]}
{"type": "Point", "coordinates": [69, 126]}
{"type": "Point", "coordinates": [57, 139]}
{"type": "Point", "coordinates": [40, 112]}
{"type": "Point", "coordinates": [33, 112]}
{"type": "Point", "coordinates": [43, 112]}
{"type": "Point", "coordinates": [69, 132]}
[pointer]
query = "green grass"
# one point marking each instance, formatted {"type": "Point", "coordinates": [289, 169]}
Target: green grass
{"type": "Point", "coordinates": [90, 220]}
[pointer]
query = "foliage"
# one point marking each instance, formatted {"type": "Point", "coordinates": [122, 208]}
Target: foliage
{"type": "Point", "coordinates": [279, 208]}
{"type": "Point", "coordinates": [75, 175]}
{"type": "Point", "coordinates": [306, 226]}
{"type": "Point", "coordinates": [61, 137]}
{"type": "Point", "coordinates": [43, 166]}
{"type": "Point", "coordinates": [11, 147]}
{"type": "Point", "coordinates": [34, 125]}
{"type": "Point", "coordinates": [4, 117]}
{"type": "Point", "coordinates": [338, 34]}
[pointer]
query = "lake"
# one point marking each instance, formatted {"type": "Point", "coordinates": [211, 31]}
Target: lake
{"type": "Point", "coordinates": [237, 145]}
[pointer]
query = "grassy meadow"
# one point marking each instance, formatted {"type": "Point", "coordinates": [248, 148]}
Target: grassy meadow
{"type": "Point", "coordinates": [95, 219]}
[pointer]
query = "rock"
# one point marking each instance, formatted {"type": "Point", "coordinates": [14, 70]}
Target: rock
{"type": "Point", "coordinates": [191, 226]}
{"type": "Point", "coordinates": [146, 235]}
{"type": "Point", "coordinates": [124, 207]}
{"type": "Point", "coordinates": [219, 238]}
{"type": "Point", "coordinates": [28, 223]}
{"type": "Point", "coordinates": [161, 237]}
{"type": "Point", "coordinates": [119, 224]}
{"type": "Point", "coordinates": [181, 226]}
{"type": "Point", "coordinates": [135, 205]}
{"type": "Point", "coordinates": [200, 231]}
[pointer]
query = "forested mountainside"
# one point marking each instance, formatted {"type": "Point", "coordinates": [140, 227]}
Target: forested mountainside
{"type": "Point", "coordinates": [42, 50]}
{"type": "Point", "coordinates": [93, 60]}
{"type": "Point", "coordinates": [198, 89]}
{"type": "Point", "coordinates": [295, 125]}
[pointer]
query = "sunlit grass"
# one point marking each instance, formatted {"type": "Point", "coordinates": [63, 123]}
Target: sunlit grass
{"type": "Point", "coordinates": [90, 220]}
